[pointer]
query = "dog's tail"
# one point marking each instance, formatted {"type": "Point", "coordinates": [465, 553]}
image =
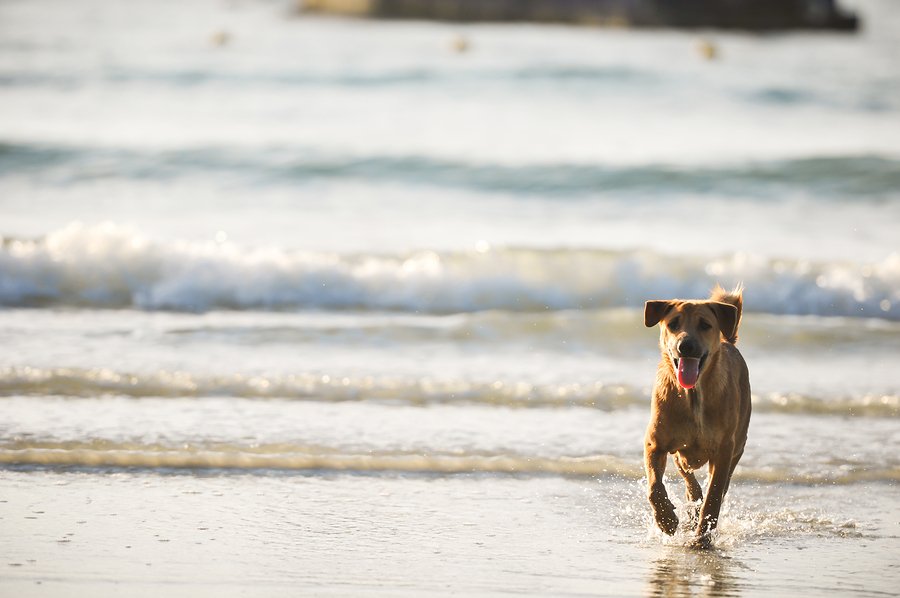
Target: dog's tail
{"type": "Point", "coordinates": [735, 298]}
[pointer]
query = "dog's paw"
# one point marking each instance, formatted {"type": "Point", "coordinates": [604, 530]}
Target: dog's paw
{"type": "Point", "coordinates": [666, 518]}
{"type": "Point", "coordinates": [693, 516]}
{"type": "Point", "coordinates": [702, 541]}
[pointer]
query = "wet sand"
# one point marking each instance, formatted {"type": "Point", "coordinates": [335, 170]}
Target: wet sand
{"type": "Point", "coordinates": [109, 533]}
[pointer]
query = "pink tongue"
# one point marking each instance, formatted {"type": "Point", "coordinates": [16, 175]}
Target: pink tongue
{"type": "Point", "coordinates": [688, 371]}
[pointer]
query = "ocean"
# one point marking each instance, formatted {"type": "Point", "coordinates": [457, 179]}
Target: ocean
{"type": "Point", "coordinates": [299, 305]}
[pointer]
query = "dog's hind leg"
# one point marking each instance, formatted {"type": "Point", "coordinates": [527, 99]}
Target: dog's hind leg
{"type": "Point", "coordinates": [693, 491]}
{"type": "Point", "coordinates": [734, 463]}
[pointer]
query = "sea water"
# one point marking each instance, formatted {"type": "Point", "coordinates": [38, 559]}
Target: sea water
{"type": "Point", "coordinates": [301, 304]}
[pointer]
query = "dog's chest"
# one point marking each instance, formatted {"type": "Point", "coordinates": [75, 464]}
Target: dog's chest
{"type": "Point", "coordinates": [693, 456]}
{"type": "Point", "coordinates": [687, 419]}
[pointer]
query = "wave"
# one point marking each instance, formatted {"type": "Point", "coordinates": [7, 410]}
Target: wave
{"type": "Point", "coordinates": [871, 177]}
{"type": "Point", "coordinates": [872, 97]}
{"type": "Point", "coordinates": [87, 383]}
{"type": "Point", "coordinates": [109, 266]}
{"type": "Point", "coordinates": [414, 76]}
{"type": "Point", "coordinates": [73, 382]}
{"type": "Point", "coordinates": [868, 98]}
{"type": "Point", "coordinates": [285, 457]}
{"type": "Point", "coordinates": [290, 458]}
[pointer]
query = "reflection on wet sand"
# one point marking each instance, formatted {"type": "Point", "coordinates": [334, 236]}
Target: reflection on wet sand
{"type": "Point", "coordinates": [685, 571]}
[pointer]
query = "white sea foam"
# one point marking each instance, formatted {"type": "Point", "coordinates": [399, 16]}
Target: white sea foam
{"type": "Point", "coordinates": [113, 266]}
{"type": "Point", "coordinates": [414, 391]}
{"type": "Point", "coordinates": [224, 456]}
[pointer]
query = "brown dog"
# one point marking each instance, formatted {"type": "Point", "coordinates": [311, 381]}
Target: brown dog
{"type": "Point", "coordinates": [701, 403]}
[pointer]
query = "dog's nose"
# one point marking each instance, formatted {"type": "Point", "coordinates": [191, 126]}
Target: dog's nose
{"type": "Point", "coordinates": [688, 347]}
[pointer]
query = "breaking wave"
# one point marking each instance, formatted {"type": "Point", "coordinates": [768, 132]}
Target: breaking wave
{"type": "Point", "coordinates": [290, 458]}
{"type": "Point", "coordinates": [109, 266]}
{"type": "Point", "coordinates": [87, 383]}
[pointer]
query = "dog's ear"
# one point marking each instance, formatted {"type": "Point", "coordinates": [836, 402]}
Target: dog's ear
{"type": "Point", "coordinates": [654, 311]}
{"type": "Point", "coordinates": [727, 315]}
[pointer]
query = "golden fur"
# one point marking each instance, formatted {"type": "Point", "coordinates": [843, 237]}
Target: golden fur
{"type": "Point", "coordinates": [704, 424]}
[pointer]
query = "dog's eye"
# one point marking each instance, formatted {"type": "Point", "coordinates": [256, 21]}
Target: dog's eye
{"type": "Point", "coordinates": [674, 323]}
{"type": "Point", "coordinates": [704, 325]}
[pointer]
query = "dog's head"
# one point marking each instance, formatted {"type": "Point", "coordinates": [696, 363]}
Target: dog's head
{"type": "Point", "coordinates": [690, 332]}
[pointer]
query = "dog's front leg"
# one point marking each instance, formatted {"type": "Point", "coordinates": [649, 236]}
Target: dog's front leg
{"type": "Point", "coordinates": [719, 475]}
{"type": "Point", "coordinates": [663, 509]}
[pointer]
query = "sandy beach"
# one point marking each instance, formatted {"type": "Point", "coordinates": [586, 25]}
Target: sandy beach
{"type": "Point", "coordinates": [142, 533]}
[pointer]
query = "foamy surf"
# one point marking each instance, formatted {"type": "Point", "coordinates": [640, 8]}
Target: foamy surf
{"type": "Point", "coordinates": [110, 266]}
{"type": "Point", "coordinates": [287, 458]}
{"type": "Point", "coordinates": [219, 457]}
{"type": "Point", "coordinates": [88, 383]}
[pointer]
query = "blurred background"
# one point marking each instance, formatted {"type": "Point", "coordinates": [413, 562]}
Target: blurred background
{"type": "Point", "coordinates": [249, 235]}
{"type": "Point", "coordinates": [536, 183]}
{"type": "Point", "coordinates": [252, 124]}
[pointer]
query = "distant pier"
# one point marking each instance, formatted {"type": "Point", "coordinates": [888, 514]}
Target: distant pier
{"type": "Point", "coordinates": [750, 15]}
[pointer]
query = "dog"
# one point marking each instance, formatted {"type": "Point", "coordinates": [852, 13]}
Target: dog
{"type": "Point", "coordinates": [700, 410]}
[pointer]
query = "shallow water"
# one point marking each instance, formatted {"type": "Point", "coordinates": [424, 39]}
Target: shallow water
{"type": "Point", "coordinates": [333, 309]}
{"type": "Point", "coordinates": [482, 535]}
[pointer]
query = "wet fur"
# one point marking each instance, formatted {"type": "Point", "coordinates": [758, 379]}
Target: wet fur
{"type": "Point", "coordinates": [707, 424]}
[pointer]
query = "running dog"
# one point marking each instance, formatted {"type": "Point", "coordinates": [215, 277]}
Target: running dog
{"type": "Point", "coordinates": [701, 404]}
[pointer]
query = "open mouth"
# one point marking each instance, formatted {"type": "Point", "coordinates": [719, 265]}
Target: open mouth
{"type": "Point", "coordinates": [688, 369]}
